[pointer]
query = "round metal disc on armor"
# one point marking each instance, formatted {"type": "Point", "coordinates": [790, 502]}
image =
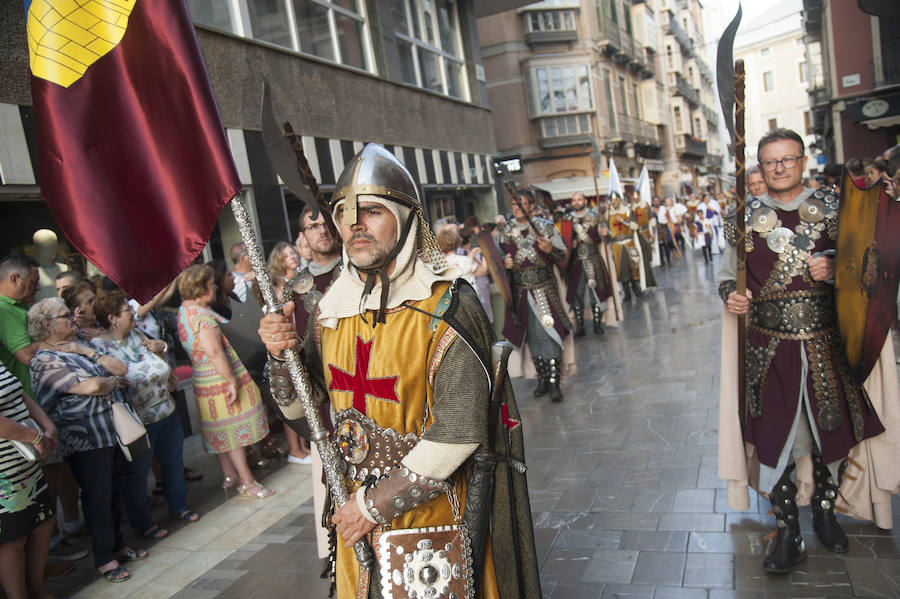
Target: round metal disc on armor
{"type": "Point", "coordinates": [778, 239]}
{"type": "Point", "coordinates": [353, 443]}
{"type": "Point", "coordinates": [592, 282]}
{"type": "Point", "coordinates": [547, 321]}
{"type": "Point", "coordinates": [802, 242]}
{"type": "Point", "coordinates": [800, 316]}
{"type": "Point", "coordinates": [769, 315]}
{"type": "Point", "coordinates": [311, 300]}
{"type": "Point", "coordinates": [302, 282]}
{"type": "Point", "coordinates": [829, 418]}
{"type": "Point", "coordinates": [755, 204]}
{"type": "Point", "coordinates": [811, 210]}
{"type": "Point", "coordinates": [763, 220]}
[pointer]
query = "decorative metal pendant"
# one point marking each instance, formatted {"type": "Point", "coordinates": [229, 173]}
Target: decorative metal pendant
{"type": "Point", "coordinates": [811, 210]}
{"type": "Point", "coordinates": [779, 239]}
{"type": "Point", "coordinates": [352, 441]}
{"type": "Point", "coordinates": [311, 301]}
{"type": "Point", "coordinates": [302, 282]}
{"type": "Point", "coordinates": [763, 220]}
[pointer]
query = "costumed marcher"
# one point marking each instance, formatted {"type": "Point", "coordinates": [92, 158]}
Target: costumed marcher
{"type": "Point", "coordinates": [626, 248]}
{"type": "Point", "coordinates": [756, 183]}
{"type": "Point", "coordinates": [324, 267]}
{"type": "Point", "coordinates": [587, 273]}
{"type": "Point", "coordinates": [536, 315]}
{"type": "Point", "coordinates": [642, 213]}
{"type": "Point", "coordinates": [804, 414]}
{"type": "Point", "coordinates": [401, 350]}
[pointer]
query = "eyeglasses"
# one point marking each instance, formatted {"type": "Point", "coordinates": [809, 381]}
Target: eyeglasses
{"type": "Point", "coordinates": [314, 227]}
{"type": "Point", "coordinates": [786, 162]}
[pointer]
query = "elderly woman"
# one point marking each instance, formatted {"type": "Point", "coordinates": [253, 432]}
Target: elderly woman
{"type": "Point", "coordinates": [80, 300]}
{"type": "Point", "coordinates": [231, 410]}
{"type": "Point", "coordinates": [76, 385]}
{"type": "Point", "coordinates": [149, 393]}
{"type": "Point", "coordinates": [26, 517]}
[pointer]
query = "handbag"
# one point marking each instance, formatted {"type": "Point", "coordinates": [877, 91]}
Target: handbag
{"type": "Point", "coordinates": [433, 562]}
{"type": "Point", "coordinates": [27, 450]}
{"type": "Point", "coordinates": [130, 431]}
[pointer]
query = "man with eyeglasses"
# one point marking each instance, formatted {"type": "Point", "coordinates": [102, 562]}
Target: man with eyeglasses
{"type": "Point", "coordinates": [804, 414]}
{"type": "Point", "coordinates": [324, 266]}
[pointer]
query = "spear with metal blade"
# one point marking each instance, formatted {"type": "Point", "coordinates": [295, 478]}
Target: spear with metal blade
{"type": "Point", "coordinates": [730, 78]}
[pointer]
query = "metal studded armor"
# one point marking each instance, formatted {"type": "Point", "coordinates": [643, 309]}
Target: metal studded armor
{"type": "Point", "coordinates": [793, 349]}
{"type": "Point", "coordinates": [586, 270]}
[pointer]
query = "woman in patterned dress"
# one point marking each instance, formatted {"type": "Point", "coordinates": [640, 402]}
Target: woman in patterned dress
{"type": "Point", "coordinates": [26, 517]}
{"type": "Point", "coordinates": [149, 394]}
{"type": "Point", "coordinates": [232, 416]}
{"type": "Point", "coordinates": [76, 385]}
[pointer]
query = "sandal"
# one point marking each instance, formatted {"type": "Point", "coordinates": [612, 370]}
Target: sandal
{"type": "Point", "coordinates": [187, 515]}
{"type": "Point", "coordinates": [117, 574]}
{"type": "Point", "coordinates": [228, 483]}
{"type": "Point", "coordinates": [132, 555]}
{"type": "Point", "coordinates": [155, 533]}
{"type": "Point", "coordinates": [262, 493]}
{"type": "Point", "coordinates": [192, 475]}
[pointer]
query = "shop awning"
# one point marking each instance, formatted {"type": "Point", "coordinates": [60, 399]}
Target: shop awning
{"type": "Point", "coordinates": [564, 189]}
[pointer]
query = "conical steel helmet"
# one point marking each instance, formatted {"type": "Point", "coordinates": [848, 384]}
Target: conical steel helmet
{"type": "Point", "coordinates": [374, 171]}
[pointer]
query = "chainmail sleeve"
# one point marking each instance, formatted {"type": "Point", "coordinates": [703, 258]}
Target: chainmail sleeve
{"type": "Point", "coordinates": [461, 391]}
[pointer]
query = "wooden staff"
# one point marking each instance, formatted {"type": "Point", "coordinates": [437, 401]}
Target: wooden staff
{"type": "Point", "coordinates": [740, 230]}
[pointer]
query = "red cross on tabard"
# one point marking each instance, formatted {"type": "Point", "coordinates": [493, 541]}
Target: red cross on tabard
{"type": "Point", "coordinates": [358, 383]}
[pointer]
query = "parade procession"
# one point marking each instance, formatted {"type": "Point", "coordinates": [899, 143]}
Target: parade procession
{"type": "Point", "coordinates": [445, 299]}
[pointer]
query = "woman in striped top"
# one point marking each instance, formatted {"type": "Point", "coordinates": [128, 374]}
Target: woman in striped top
{"type": "Point", "coordinates": [26, 517]}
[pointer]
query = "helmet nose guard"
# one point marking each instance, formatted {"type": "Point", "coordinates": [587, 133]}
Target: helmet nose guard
{"type": "Point", "coordinates": [374, 171]}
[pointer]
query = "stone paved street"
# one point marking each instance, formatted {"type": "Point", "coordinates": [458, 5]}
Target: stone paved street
{"type": "Point", "coordinates": [623, 483]}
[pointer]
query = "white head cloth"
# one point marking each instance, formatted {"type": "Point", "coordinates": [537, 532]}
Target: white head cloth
{"type": "Point", "coordinates": [412, 278]}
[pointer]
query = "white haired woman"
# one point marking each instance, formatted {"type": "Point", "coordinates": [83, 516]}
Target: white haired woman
{"type": "Point", "coordinates": [76, 384]}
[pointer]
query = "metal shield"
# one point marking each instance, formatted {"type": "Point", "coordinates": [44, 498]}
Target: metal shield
{"type": "Point", "coordinates": [866, 272]}
{"type": "Point", "coordinates": [495, 264]}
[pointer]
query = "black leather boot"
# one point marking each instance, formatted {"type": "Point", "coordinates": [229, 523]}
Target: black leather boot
{"type": "Point", "coordinates": [598, 319]}
{"type": "Point", "coordinates": [578, 309]}
{"type": "Point", "coordinates": [637, 289]}
{"type": "Point", "coordinates": [540, 364]}
{"type": "Point", "coordinates": [554, 374]}
{"type": "Point", "coordinates": [789, 549]}
{"type": "Point", "coordinates": [825, 523]}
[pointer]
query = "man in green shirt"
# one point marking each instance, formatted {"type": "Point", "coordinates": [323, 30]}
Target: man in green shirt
{"type": "Point", "coordinates": [18, 285]}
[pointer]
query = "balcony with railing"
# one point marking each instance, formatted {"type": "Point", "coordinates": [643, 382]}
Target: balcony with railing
{"type": "Point", "coordinates": [550, 26]}
{"type": "Point", "coordinates": [688, 146]}
{"type": "Point", "coordinates": [818, 96]}
{"type": "Point", "coordinates": [564, 130]}
{"type": "Point", "coordinates": [712, 160]}
{"type": "Point", "coordinates": [682, 88]}
{"type": "Point", "coordinates": [628, 128]}
{"type": "Point", "coordinates": [812, 17]}
{"type": "Point", "coordinates": [674, 29]}
{"type": "Point", "coordinates": [711, 115]}
{"type": "Point", "coordinates": [704, 69]}
{"type": "Point", "coordinates": [642, 62]}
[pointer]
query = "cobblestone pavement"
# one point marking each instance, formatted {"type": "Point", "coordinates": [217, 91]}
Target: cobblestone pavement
{"type": "Point", "coordinates": [623, 482]}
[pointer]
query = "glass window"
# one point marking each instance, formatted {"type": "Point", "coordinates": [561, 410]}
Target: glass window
{"type": "Point", "coordinates": [569, 87]}
{"type": "Point", "coordinates": [559, 94]}
{"type": "Point", "coordinates": [613, 13]}
{"type": "Point", "coordinates": [313, 29]}
{"type": "Point", "coordinates": [454, 78]}
{"type": "Point", "coordinates": [773, 124]}
{"type": "Point", "coordinates": [447, 26]}
{"type": "Point", "coordinates": [398, 15]}
{"type": "Point", "coordinates": [269, 22]}
{"type": "Point", "coordinates": [429, 22]}
{"type": "Point", "coordinates": [623, 95]}
{"type": "Point", "coordinates": [543, 90]}
{"type": "Point", "coordinates": [212, 13]}
{"type": "Point", "coordinates": [804, 72]}
{"type": "Point", "coordinates": [676, 112]}
{"type": "Point", "coordinates": [808, 122]}
{"type": "Point", "coordinates": [584, 89]}
{"type": "Point", "coordinates": [769, 81]}
{"type": "Point", "coordinates": [350, 40]}
{"type": "Point", "coordinates": [429, 70]}
{"type": "Point", "coordinates": [634, 100]}
{"type": "Point", "coordinates": [765, 51]}
{"type": "Point", "coordinates": [534, 22]}
{"type": "Point", "coordinates": [609, 100]}
{"type": "Point", "coordinates": [407, 67]}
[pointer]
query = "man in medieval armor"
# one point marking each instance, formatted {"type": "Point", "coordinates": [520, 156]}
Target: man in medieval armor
{"type": "Point", "coordinates": [626, 248]}
{"type": "Point", "coordinates": [804, 413]}
{"type": "Point", "coordinates": [588, 278]}
{"type": "Point", "coordinates": [400, 348]}
{"type": "Point", "coordinates": [536, 315]}
{"type": "Point", "coordinates": [313, 280]}
{"type": "Point", "coordinates": [645, 217]}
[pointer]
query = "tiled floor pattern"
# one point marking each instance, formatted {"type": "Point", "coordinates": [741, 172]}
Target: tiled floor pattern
{"type": "Point", "coordinates": [623, 483]}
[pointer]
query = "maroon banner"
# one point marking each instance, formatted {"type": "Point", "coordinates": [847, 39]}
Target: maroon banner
{"type": "Point", "coordinates": [132, 157]}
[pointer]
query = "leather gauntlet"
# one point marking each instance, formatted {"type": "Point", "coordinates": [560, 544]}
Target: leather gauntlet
{"type": "Point", "coordinates": [280, 382]}
{"type": "Point", "coordinates": [725, 289]}
{"type": "Point", "coordinates": [401, 491]}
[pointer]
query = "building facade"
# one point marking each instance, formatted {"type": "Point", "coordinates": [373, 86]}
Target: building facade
{"type": "Point", "coordinates": [403, 73]}
{"type": "Point", "coordinates": [777, 78]}
{"type": "Point", "coordinates": [574, 83]}
{"type": "Point", "coordinates": [854, 93]}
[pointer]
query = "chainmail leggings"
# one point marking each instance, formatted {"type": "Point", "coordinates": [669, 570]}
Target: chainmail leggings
{"type": "Point", "coordinates": [539, 342]}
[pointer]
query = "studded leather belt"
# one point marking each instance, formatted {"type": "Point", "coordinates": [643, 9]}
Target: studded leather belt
{"type": "Point", "coordinates": [586, 250]}
{"type": "Point", "coordinates": [530, 277]}
{"type": "Point", "coordinates": [793, 314]}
